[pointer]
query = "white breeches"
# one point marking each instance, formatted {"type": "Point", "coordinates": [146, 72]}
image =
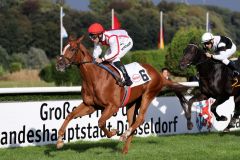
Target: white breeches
{"type": "Point", "coordinates": [224, 55]}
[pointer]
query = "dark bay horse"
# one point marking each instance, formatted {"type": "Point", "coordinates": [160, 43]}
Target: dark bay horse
{"type": "Point", "coordinates": [101, 92]}
{"type": "Point", "coordinates": [215, 80]}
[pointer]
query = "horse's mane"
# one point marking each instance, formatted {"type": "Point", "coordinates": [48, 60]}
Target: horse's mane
{"type": "Point", "coordinates": [203, 59]}
{"type": "Point", "coordinates": [85, 50]}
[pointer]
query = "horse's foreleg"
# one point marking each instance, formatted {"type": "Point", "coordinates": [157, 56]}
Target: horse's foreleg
{"type": "Point", "coordinates": [235, 115]}
{"type": "Point", "coordinates": [131, 117]}
{"type": "Point", "coordinates": [214, 109]}
{"type": "Point", "coordinates": [187, 109]}
{"type": "Point", "coordinates": [106, 114]}
{"type": "Point", "coordinates": [146, 100]}
{"type": "Point", "coordinates": [81, 110]}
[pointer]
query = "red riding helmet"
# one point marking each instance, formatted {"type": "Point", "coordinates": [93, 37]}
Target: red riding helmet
{"type": "Point", "coordinates": [95, 28]}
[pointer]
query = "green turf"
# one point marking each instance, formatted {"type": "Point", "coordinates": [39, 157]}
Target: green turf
{"type": "Point", "coordinates": [208, 146]}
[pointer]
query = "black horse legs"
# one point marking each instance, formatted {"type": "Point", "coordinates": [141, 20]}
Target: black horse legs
{"type": "Point", "coordinates": [235, 115]}
{"type": "Point", "coordinates": [214, 108]}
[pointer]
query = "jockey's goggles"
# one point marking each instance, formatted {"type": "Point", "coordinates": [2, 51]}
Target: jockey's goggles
{"type": "Point", "coordinates": [207, 43]}
{"type": "Point", "coordinates": [93, 36]}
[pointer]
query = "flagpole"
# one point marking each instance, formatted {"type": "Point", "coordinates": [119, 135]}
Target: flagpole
{"type": "Point", "coordinates": [112, 18]}
{"type": "Point", "coordinates": [61, 24]}
{"type": "Point", "coordinates": [207, 22]}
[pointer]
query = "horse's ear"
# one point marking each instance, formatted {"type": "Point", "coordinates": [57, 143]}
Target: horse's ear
{"type": "Point", "coordinates": [80, 39]}
{"type": "Point", "coordinates": [71, 37]}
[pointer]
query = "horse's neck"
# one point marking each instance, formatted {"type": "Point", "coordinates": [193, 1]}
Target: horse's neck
{"type": "Point", "coordinates": [203, 65]}
{"type": "Point", "coordinates": [208, 68]}
{"type": "Point", "coordinates": [89, 71]}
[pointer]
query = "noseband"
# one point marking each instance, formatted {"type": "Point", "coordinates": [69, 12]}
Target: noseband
{"type": "Point", "coordinates": [71, 59]}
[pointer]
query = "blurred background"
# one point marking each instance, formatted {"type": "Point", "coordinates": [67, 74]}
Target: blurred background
{"type": "Point", "coordinates": [30, 33]}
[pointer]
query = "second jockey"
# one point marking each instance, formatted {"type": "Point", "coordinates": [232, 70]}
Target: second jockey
{"type": "Point", "coordinates": [223, 48]}
{"type": "Point", "coordinates": [119, 43]}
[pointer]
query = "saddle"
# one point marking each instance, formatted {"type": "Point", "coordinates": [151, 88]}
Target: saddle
{"type": "Point", "coordinates": [137, 73]}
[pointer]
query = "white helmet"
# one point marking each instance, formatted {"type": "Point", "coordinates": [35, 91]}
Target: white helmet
{"type": "Point", "coordinates": [206, 37]}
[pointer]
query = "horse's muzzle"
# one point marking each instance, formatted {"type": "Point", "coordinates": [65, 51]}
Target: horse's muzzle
{"type": "Point", "coordinates": [60, 68]}
{"type": "Point", "coordinates": [183, 65]}
{"type": "Point", "coordinates": [61, 65]}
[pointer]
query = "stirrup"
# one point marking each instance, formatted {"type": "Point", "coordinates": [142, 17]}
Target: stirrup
{"type": "Point", "coordinates": [128, 82]}
{"type": "Point", "coordinates": [236, 73]}
{"type": "Point", "coordinates": [120, 82]}
{"type": "Point", "coordinates": [123, 83]}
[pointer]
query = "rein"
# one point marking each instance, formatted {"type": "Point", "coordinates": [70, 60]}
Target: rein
{"type": "Point", "coordinates": [71, 59]}
{"type": "Point", "coordinates": [201, 62]}
{"type": "Point", "coordinates": [72, 62]}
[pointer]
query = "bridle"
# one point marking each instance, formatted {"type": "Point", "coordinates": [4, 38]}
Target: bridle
{"type": "Point", "coordinates": [71, 59]}
{"type": "Point", "coordinates": [201, 62]}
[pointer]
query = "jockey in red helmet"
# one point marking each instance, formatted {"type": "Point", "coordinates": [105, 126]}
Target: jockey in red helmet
{"type": "Point", "coordinates": [119, 43]}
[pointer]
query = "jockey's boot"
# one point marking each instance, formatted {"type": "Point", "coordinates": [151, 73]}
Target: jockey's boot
{"type": "Point", "coordinates": [121, 67]}
{"type": "Point", "coordinates": [234, 68]}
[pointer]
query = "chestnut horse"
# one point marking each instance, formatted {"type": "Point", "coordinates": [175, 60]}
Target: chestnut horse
{"type": "Point", "coordinates": [98, 88]}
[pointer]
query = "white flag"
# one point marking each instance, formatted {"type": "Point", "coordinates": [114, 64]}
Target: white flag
{"type": "Point", "coordinates": [63, 30]}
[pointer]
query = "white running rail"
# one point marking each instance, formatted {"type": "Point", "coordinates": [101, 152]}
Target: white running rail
{"type": "Point", "coordinates": [22, 90]}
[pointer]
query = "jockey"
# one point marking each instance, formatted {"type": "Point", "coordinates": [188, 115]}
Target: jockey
{"type": "Point", "coordinates": [223, 48]}
{"type": "Point", "coordinates": [119, 44]}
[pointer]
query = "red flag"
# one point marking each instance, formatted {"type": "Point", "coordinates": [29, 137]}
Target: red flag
{"type": "Point", "coordinates": [161, 40]}
{"type": "Point", "coordinates": [160, 35]}
{"type": "Point", "coordinates": [116, 23]}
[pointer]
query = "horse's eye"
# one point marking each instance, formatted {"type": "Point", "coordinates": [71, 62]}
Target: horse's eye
{"type": "Point", "coordinates": [72, 49]}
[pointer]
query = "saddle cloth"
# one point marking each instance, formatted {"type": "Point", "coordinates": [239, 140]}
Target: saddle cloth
{"type": "Point", "coordinates": [137, 73]}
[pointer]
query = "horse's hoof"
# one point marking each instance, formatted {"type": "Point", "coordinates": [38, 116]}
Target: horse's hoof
{"type": "Point", "coordinates": [222, 118]}
{"type": "Point", "coordinates": [124, 151]}
{"type": "Point", "coordinates": [60, 144]}
{"type": "Point", "coordinates": [189, 125]}
{"type": "Point", "coordinates": [226, 130]}
{"type": "Point", "coordinates": [123, 138]}
{"type": "Point", "coordinates": [114, 132]}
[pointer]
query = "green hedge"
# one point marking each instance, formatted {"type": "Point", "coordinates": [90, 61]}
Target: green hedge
{"type": "Point", "coordinates": [154, 57]}
{"type": "Point", "coordinates": [15, 67]}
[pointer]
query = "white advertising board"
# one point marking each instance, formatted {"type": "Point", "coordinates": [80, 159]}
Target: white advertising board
{"type": "Point", "coordinates": [37, 123]}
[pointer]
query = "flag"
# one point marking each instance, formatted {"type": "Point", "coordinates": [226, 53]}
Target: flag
{"type": "Point", "coordinates": [161, 39]}
{"type": "Point", "coordinates": [160, 35]}
{"type": "Point", "coordinates": [63, 30]}
{"type": "Point", "coordinates": [115, 22]}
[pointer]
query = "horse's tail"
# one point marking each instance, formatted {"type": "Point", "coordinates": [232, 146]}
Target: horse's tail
{"type": "Point", "coordinates": [174, 86]}
{"type": "Point", "coordinates": [178, 88]}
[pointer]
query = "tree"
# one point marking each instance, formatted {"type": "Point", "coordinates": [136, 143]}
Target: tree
{"type": "Point", "coordinates": [70, 77]}
{"type": "Point", "coordinates": [180, 41]}
{"type": "Point", "coordinates": [30, 7]}
{"type": "Point", "coordinates": [37, 58]}
{"type": "Point", "coordinates": [4, 60]}
{"type": "Point", "coordinates": [15, 31]}
{"type": "Point", "coordinates": [21, 58]}
{"type": "Point", "coordinates": [100, 6]}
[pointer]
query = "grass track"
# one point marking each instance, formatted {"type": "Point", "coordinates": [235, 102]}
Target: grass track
{"type": "Point", "coordinates": [178, 147]}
